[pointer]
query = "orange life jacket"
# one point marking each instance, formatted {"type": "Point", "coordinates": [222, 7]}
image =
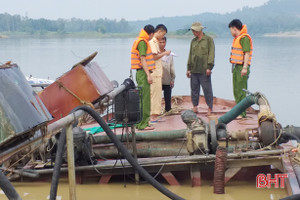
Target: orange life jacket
{"type": "Point", "coordinates": [135, 54]}
{"type": "Point", "coordinates": [237, 54]}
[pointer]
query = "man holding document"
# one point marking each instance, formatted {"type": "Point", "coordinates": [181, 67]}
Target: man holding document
{"type": "Point", "coordinates": [168, 74]}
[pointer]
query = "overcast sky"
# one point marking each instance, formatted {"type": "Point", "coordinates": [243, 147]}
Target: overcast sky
{"type": "Point", "coordinates": [127, 9]}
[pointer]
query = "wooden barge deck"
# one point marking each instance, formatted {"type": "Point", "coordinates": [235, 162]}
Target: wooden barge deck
{"type": "Point", "coordinates": [195, 165]}
{"type": "Point", "coordinates": [168, 165]}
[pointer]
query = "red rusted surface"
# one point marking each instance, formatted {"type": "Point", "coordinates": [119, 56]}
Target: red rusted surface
{"type": "Point", "coordinates": [220, 107]}
{"type": "Point", "coordinates": [87, 83]}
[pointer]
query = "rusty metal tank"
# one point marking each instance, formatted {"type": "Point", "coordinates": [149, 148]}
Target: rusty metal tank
{"type": "Point", "coordinates": [85, 83]}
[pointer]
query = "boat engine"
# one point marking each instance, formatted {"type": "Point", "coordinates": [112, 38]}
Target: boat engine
{"type": "Point", "coordinates": [82, 147]}
{"type": "Point", "coordinates": [196, 134]}
{"type": "Point", "coordinates": [202, 137]}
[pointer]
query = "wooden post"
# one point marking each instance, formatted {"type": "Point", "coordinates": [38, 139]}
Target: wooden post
{"type": "Point", "coordinates": [170, 178]}
{"type": "Point", "coordinates": [105, 179]}
{"type": "Point", "coordinates": [71, 163]}
{"type": "Point", "coordinates": [195, 175]}
{"type": "Point", "coordinates": [291, 182]}
{"type": "Point", "coordinates": [136, 174]}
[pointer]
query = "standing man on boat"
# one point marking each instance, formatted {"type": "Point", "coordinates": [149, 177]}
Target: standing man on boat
{"type": "Point", "coordinates": [240, 57]}
{"type": "Point", "coordinates": [200, 64]}
{"type": "Point", "coordinates": [142, 60]}
{"type": "Point", "coordinates": [168, 77]}
{"type": "Point", "coordinates": [156, 86]}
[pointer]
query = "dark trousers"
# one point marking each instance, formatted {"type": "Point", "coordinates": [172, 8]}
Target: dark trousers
{"type": "Point", "coordinates": [167, 96]}
{"type": "Point", "coordinates": [205, 82]}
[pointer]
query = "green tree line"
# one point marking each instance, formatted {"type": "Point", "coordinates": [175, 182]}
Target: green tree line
{"type": "Point", "coordinates": [16, 23]}
{"type": "Point", "coordinates": [272, 17]}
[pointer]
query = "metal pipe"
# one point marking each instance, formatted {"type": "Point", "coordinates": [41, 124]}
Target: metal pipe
{"type": "Point", "coordinates": [166, 160]}
{"type": "Point", "coordinates": [127, 84]}
{"type": "Point", "coordinates": [268, 132]}
{"type": "Point", "coordinates": [160, 150]}
{"type": "Point", "coordinates": [143, 136]}
{"type": "Point", "coordinates": [238, 109]}
{"type": "Point", "coordinates": [248, 101]}
{"type": "Point", "coordinates": [22, 172]}
{"type": "Point", "coordinates": [55, 127]}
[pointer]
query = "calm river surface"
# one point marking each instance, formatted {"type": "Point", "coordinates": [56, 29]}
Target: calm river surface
{"type": "Point", "coordinates": [275, 72]}
{"type": "Point", "coordinates": [117, 191]}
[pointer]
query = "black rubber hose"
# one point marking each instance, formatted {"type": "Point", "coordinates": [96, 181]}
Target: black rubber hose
{"type": "Point", "coordinates": [58, 162]}
{"type": "Point", "coordinates": [291, 136]}
{"type": "Point", "coordinates": [127, 155]}
{"type": "Point", "coordinates": [293, 197]}
{"type": "Point", "coordinates": [292, 130]}
{"type": "Point", "coordinates": [8, 188]}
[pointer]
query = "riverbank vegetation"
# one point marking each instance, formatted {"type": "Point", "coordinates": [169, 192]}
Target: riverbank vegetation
{"type": "Point", "coordinates": [276, 16]}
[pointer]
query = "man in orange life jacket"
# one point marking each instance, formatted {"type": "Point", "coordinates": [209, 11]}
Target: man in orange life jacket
{"type": "Point", "coordinates": [240, 57]}
{"type": "Point", "coordinates": [142, 60]}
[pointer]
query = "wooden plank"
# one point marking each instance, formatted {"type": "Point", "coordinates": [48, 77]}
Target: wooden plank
{"type": "Point", "coordinates": [230, 172]}
{"type": "Point", "coordinates": [105, 179]}
{"type": "Point", "coordinates": [79, 177]}
{"type": "Point", "coordinates": [134, 149]}
{"type": "Point", "coordinates": [278, 166]}
{"type": "Point", "coordinates": [252, 162]}
{"type": "Point", "coordinates": [71, 163]}
{"type": "Point", "coordinates": [170, 178]}
{"type": "Point", "coordinates": [266, 158]}
{"type": "Point", "coordinates": [195, 175]}
{"type": "Point", "coordinates": [291, 182]}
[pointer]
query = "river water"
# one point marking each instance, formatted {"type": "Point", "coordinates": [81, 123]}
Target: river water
{"type": "Point", "coordinates": [234, 190]}
{"type": "Point", "coordinates": [274, 72]}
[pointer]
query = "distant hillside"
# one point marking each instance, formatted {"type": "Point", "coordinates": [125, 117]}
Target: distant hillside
{"type": "Point", "coordinates": [273, 17]}
{"type": "Point", "coordinates": [276, 16]}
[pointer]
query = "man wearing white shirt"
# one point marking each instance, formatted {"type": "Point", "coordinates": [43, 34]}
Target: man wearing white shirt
{"type": "Point", "coordinates": [168, 74]}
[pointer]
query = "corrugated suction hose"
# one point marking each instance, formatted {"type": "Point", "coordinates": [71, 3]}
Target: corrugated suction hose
{"type": "Point", "coordinates": [220, 167]}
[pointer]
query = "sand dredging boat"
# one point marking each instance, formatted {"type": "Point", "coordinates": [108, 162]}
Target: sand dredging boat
{"type": "Point", "coordinates": [83, 124]}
